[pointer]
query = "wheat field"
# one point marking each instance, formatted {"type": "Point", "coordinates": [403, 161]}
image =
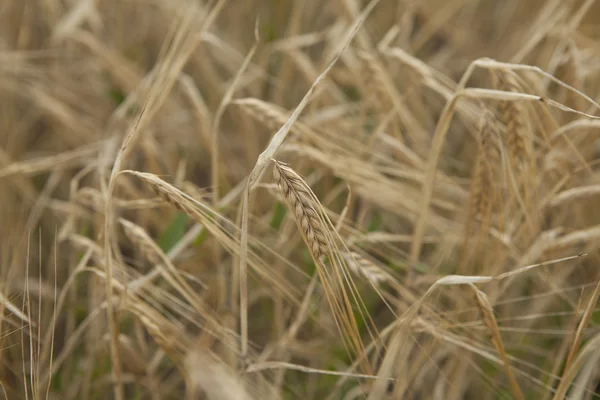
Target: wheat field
{"type": "Point", "coordinates": [264, 199]}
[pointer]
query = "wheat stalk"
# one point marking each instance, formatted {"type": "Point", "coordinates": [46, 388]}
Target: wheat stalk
{"type": "Point", "coordinates": [300, 199]}
{"type": "Point", "coordinates": [573, 77]}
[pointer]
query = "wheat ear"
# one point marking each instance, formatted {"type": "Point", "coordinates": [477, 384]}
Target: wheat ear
{"type": "Point", "coordinates": [170, 194]}
{"type": "Point", "coordinates": [270, 115]}
{"type": "Point", "coordinates": [300, 199]}
{"type": "Point", "coordinates": [482, 194]}
{"type": "Point", "coordinates": [488, 158]}
{"type": "Point", "coordinates": [514, 118]}
{"type": "Point", "coordinates": [364, 267]}
{"type": "Point", "coordinates": [519, 142]}
{"type": "Point", "coordinates": [374, 80]}
{"type": "Point", "coordinates": [141, 241]}
{"type": "Point", "coordinates": [490, 322]}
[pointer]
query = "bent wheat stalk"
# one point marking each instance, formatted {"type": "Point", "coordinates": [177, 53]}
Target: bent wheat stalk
{"type": "Point", "coordinates": [261, 164]}
{"type": "Point", "coordinates": [316, 231]}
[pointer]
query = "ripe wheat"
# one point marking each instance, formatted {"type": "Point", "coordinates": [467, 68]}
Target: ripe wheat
{"type": "Point", "coordinates": [299, 198]}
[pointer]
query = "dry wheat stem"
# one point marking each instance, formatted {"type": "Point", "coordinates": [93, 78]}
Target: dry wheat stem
{"type": "Point", "coordinates": [493, 64]}
{"type": "Point", "coordinates": [225, 101]}
{"type": "Point", "coordinates": [573, 76]}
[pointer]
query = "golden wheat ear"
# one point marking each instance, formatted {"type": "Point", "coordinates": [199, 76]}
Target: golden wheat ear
{"type": "Point", "coordinates": [299, 198]}
{"type": "Point", "coordinates": [519, 138]}
{"type": "Point", "coordinates": [364, 267]}
{"type": "Point", "coordinates": [271, 116]}
{"type": "Point", "coordinates": [482, 194]}
{"type": "Point", "coordinates": [491, 324]}
{"type": "Point", "coordinates": [488, 159]}
{"type": "Point", "coordinates": [514, 116]}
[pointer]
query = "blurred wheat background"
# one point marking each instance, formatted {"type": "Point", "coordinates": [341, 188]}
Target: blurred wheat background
{"type": "Point", "coordinates": [265, 199]}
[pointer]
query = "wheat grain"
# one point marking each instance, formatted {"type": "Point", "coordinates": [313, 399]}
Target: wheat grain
{"type": "Point", "coordinates": [300, 199]}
